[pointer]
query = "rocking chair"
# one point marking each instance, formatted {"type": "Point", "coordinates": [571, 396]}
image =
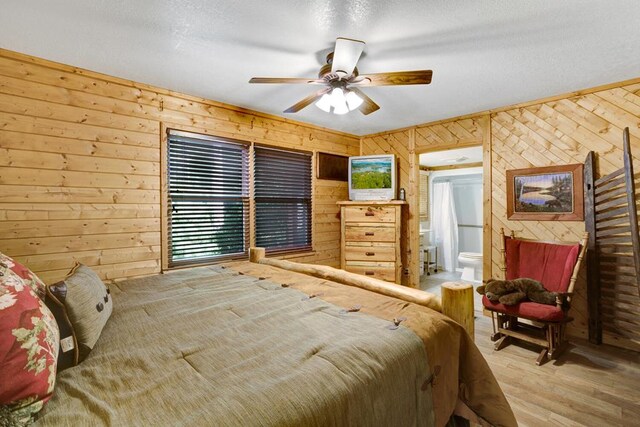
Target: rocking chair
{"type": "Point", "coordinates": [556, 266]}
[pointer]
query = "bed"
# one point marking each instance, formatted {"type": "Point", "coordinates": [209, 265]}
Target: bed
{"type": "Point", "coordinates": [251, 344]}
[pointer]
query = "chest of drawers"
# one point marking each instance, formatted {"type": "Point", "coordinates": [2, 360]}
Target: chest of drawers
{"type": "Point", "coordinates": [370, 240]}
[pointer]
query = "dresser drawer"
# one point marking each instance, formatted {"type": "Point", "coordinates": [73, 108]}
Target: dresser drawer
{"type": "Point", "coordinates": [370, 214]}
{"type": "Point", "coordinates": [355, 233]}
{"type": "Point", "coordinates": [379, 270]}
{"type": "Point", "coordinates": [370, 251]}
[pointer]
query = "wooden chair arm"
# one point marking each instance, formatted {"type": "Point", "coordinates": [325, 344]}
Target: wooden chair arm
{"type": "Point", "coordinates": [562, 299]}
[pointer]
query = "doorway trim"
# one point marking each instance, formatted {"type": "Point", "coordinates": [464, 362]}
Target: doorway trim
{"type": "Point", "coordinates": [414, 179]}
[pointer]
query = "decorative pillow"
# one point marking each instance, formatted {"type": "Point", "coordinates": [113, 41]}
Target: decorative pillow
{"type": "Point", "coordinates": [28, 347]}
{"type": "Point", "coordinates": [88, 306]}
{"type": "Point", "coordinates": [10, 267]}
{"type": "Point", "coordinates": [68, 354]}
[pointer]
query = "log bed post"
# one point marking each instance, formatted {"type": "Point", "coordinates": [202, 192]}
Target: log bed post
{"type": "Point", "coordinates": [457, 306]}
{"type": "Point", "coordinates": [457, 303]}
{"type": "Point", "coordinates": [256, 254]}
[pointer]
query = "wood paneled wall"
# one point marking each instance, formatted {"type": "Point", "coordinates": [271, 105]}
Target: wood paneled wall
{"type": "Point", "coordinates": [563, 131]}
{"type": "Point", "coordinates": [407, 144]}
{"type": "Point", "coordinates": [80, 166]}
{"type": "Point", "coordinates": [400, 143]}
{"type": "Point", "coordinates": [560, 130]}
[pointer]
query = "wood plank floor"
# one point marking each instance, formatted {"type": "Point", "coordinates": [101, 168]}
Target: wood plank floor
{"type": "Point", "coordinates": [587, 386]}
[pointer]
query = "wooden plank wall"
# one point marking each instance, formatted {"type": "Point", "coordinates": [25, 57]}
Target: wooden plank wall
{"type": "Point", "coordinates": [437, 136]}
{"type": "Point", "coordinates": [560, 130]}
{"type": "Point", "coordinates": [399, 143]}
{"type": "Point", "coordinates": [563, 131]}
{"type": "Point", "coordinates": [80, 166]}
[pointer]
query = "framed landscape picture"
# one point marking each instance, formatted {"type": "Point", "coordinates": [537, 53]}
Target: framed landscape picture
{"type": "Point", "coordinates": [546, 193]}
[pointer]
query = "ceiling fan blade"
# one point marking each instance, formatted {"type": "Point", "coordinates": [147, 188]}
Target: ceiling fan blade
{"type": "Point", "coordinates": [418, 77]}
{"type": "Point", "coordinates": [346, 55]}
{"type": "Point", "coordinates": [368, 106]}
{"type": "Point", "coordinates": [307, 101]}
{"type": "Point", "coordinates": [289, 80]}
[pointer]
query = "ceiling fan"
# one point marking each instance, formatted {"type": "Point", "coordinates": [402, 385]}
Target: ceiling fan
{"type": "Point", "coordinates": [342, 82]}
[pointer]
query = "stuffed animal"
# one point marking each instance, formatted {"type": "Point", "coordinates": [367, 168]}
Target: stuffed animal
{"type": "Point", "coordinates": [511, 292]}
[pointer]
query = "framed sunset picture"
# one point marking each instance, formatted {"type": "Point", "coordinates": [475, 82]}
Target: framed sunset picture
{"type": "Point", "coordinates": [546, 193]}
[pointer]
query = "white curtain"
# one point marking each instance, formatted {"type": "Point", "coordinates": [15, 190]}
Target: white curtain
{"type": "Point", "coordinates": [445, 225]}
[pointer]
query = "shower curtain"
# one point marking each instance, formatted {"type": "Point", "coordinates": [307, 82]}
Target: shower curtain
{"type": "Point", "coordinates": [445, 225]}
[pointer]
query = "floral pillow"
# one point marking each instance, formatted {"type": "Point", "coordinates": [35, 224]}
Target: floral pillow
{"type": "Point", "coordinates": [29, 341]}
{"type": "Point", "coordinates": [10, 267]}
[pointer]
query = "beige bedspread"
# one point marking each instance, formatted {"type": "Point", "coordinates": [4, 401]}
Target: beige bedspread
{"type": "Point", "coordinates": [462, 371]}
{"type": "Point", "coordinates": [207, 346]}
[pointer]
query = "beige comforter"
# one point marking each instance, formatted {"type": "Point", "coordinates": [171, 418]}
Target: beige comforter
{"type": "Point", "coordinates": [208, 346]}
{"type": "Point", "coordinates": [462, 373]}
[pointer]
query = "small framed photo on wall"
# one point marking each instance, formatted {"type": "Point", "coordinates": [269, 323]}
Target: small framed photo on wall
{"type": "Point", "coordinates": [552, 193]}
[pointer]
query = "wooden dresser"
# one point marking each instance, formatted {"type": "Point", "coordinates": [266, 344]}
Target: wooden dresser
{"type": "Point", "coordinates": [371, 238]}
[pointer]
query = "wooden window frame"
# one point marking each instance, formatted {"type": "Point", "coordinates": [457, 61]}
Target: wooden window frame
{"type": "Point", "coordinates": [285, 199]}
{"type": "Point", "coordinates": [194, 197]}
{"type": "Point", "coordinates": [164, 200]}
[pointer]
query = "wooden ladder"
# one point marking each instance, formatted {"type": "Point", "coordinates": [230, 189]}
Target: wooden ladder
{"type": "Point", "coordinates": [613, 256]}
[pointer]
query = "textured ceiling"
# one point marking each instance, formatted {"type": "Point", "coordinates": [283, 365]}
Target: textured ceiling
{"type": "Point", "coordinates": [484, 53]}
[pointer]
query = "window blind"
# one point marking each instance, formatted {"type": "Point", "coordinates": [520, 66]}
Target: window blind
{"type": "Point", "coordinates": [208, 198]}
{"type": "Point", "coordinates": [282, 197]}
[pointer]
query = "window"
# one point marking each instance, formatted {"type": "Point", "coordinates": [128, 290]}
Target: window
{"type": "Point", "coordinates": [208, 198]}
{"type": "Point", "coordinates": [282, 197]}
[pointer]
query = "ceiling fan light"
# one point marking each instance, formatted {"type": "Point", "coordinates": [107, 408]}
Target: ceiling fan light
{"type": "Point", "coordinates": [324, 103]}
{"type": "Point", "coordinates": [337, 97]}
{"type": "Point", "coordinates": [341, 108]}
{"type": "Point", "coordinates": [353, 100]}
{"type": "Point", "coordinates": [338, 101]}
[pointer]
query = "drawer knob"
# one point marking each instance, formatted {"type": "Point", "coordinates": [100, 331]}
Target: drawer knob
{"type": "Point", "coordinates": [369, 273]}
{"type": "Point", "coordinates": [369, 253]}
{"type": "Point", "coordinates": [369, 233]}
{"type": "Point", "coordinates": [369, 213]}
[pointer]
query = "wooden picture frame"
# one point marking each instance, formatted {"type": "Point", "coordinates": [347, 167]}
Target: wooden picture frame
{"type": "Point", "coordinates": [332, 167]}
{"type": "Point", "coordinates": [552, 193]}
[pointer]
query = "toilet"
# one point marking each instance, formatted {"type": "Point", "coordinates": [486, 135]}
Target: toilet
{"type": "Point", "coordinates": [471, 262]}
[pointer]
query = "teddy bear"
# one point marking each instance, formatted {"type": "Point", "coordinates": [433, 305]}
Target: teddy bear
{"type": "Point", "coordinates": [511, 292]}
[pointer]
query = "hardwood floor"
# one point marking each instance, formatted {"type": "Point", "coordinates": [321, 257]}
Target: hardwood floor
{"type": "Point", "coordinates": [436, 279]}
{"type": "Point", "coordinates": [587, 386]}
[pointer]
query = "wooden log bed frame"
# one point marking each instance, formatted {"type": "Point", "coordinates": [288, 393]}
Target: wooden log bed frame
{"type": "Point", "coordinates": [248, 343]}
{"type": "Point", "coordinates": [456, 302]}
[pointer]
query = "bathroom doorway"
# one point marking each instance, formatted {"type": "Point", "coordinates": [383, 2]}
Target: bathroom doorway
{"type": "Point", "coordinates": [451, 217]}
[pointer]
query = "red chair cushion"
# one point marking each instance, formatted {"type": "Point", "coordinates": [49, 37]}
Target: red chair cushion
{"type": "Point", "coordinates": [548, 263]}
{"type": "Point", "coordinates": [528, 310]}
